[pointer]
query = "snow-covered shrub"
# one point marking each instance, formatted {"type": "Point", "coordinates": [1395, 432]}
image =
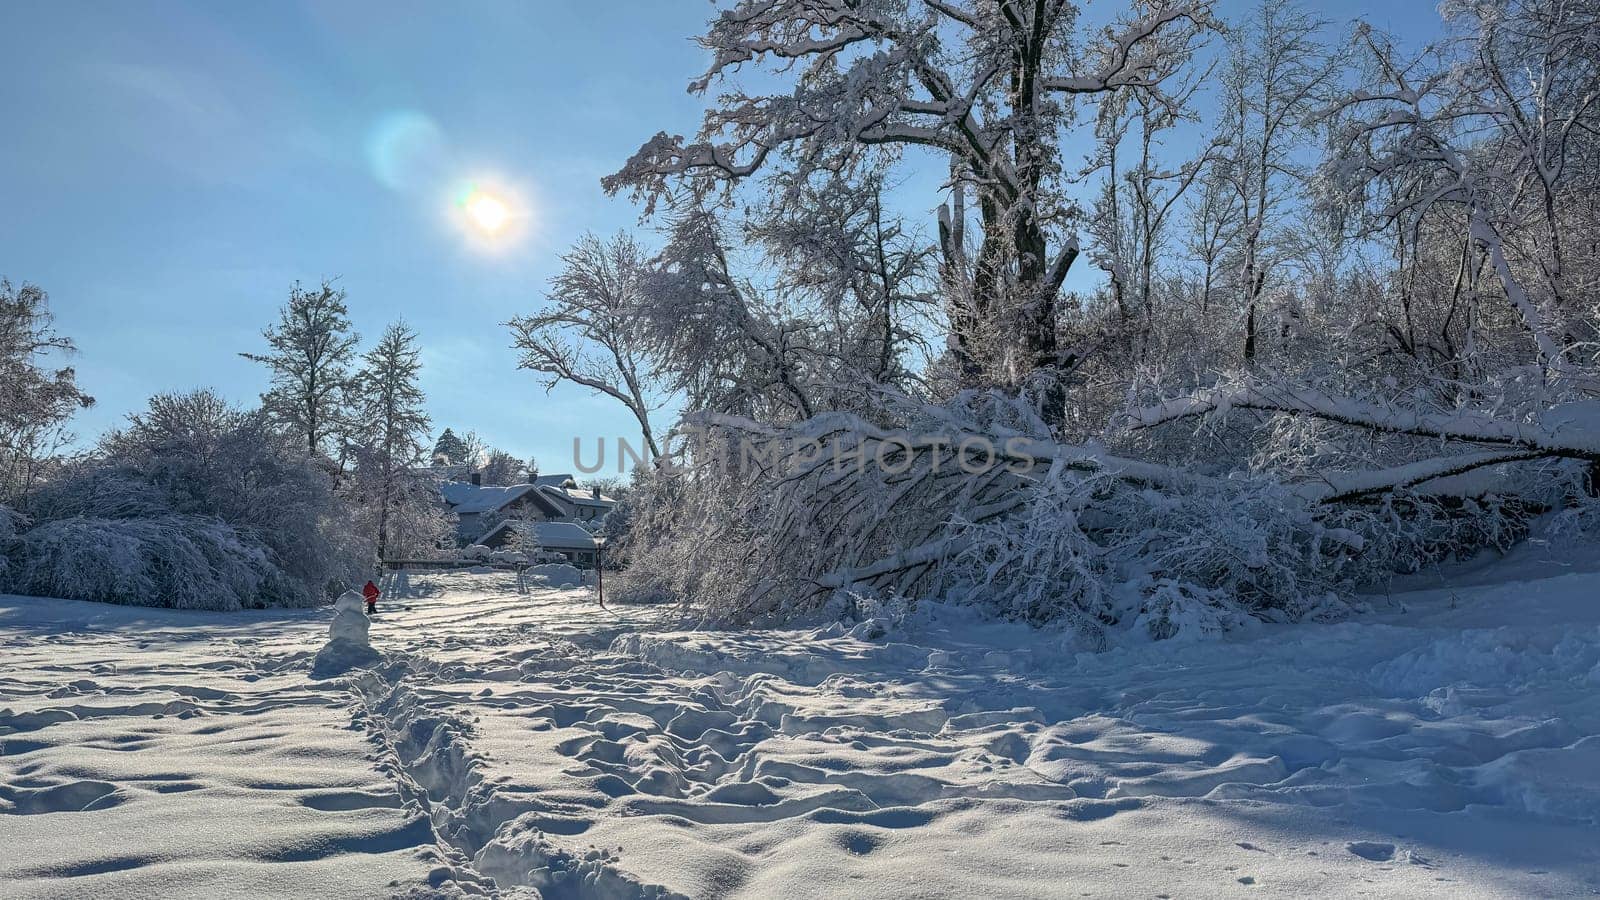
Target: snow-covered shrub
{"type": "Point", "coordinates": [1580, 521]}
{"type": "Point", "coordinates": [555, 574]}
{"type": "Point", "coordinates": [195, 504]}
{"type": "Point", "coordinates": [183, 562]}
{"type": "Point", "coordinates": [691, 540]}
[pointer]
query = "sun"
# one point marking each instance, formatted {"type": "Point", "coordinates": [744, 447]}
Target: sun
{"type": "Point", "coordinates": [492, 215]}
{"type": "Point", "coordinates": [488, 213]}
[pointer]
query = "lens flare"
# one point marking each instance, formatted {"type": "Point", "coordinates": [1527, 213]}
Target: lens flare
{"type": "Point", "coordinates": [406, 150]}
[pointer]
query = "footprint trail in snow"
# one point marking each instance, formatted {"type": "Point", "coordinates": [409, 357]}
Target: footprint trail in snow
{"type": "Point", "coordinates": [538, 746]}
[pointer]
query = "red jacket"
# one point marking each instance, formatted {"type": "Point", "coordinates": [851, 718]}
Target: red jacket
{"type": "Point", "coordinates": [370, 592]}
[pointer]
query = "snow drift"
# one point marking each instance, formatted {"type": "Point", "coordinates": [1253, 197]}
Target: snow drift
{"type": "Point", "coordinates": [555, 574]}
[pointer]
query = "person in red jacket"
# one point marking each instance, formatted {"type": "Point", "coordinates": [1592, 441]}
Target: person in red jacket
{"type": "Point", "coordinates": [372, 593]}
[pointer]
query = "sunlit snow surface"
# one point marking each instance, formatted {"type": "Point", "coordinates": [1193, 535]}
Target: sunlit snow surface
{"type": "Point", "coordinates": [1447, 744]}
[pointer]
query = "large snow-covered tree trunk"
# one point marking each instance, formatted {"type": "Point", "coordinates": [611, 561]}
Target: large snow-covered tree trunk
{"type": "Point", "coordinates": [989, 87]}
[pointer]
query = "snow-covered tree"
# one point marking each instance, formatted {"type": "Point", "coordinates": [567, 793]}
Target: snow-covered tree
{"type": "Point", "coordinates": [450, 448]}
{"type": "Point", "coordinates": [311, 355]}
{"type": "Point", "coordinates": [990, 87]}
{"type": "Point", "coordinates": [1346, 370]}
{"type": "Point", "coordinates": [392, 436]}
{"type": "Point", "coordinates": [503, 468]}
{"type": "Point", "coordinates": [474, 450]}
{"type": "Point", "coordinates": [722, 340]}
{"type": "Point", "coordinates": [1277, 74]}
{"type": "Point", "coordinates": [585, 335]}
{"type": "Point", "coordinates": [1132, 216]}
{"type": "Point", "coordinates": [1476, 152]}
{"type": "Point", "coordinates": [36, 399]}
{"type": "Point", "coordinates": [847, 262]}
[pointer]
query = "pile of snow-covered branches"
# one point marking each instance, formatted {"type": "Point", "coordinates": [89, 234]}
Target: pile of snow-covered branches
{"type": "Point", "coordinates": [195, 506]}
{"type": "Point", "coordinates": [974, 501]}
{"type": "Point", "coordinates": [971, 501]}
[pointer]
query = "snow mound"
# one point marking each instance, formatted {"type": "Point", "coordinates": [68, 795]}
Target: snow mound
{"type": "Point", "coordinates": [556, 574]}
{"type": "Point", "coordinates": [348, 645]}
{"type": "Point", "coordinates": [1508, 658]}
{"type": "Point", "coordinates": [1553, 782]}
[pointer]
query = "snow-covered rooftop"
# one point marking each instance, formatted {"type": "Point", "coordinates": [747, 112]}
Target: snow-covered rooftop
{"type": "Point", "coordinates": [579, 496]}
{"type": "Point", "coordinates": [464, 497]}
{"type": "Point", "coordinates": [550, 535]}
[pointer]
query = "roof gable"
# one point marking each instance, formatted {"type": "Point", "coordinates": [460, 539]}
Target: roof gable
{"type": "Point", "coordinates": [550, 535]}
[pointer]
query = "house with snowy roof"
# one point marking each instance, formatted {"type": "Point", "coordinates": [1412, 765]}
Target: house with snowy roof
{"type": "Point", "coordinates": [482, 511]}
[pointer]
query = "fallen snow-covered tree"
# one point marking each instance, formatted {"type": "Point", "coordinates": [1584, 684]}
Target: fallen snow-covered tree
{"type": "Point", "coordinates": [1568, 430]}
{"type": "Point", "coordinates": [972, 501]}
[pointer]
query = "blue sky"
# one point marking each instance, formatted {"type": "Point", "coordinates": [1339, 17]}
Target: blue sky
{"type": "Point", "coordinates": [168, 169]}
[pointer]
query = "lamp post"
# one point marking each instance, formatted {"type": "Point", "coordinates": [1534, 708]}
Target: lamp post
{"type": "Point", "coordinates": [600, 569]}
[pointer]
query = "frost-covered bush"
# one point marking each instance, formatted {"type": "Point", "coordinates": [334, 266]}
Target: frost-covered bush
{"type": "Point", "coordinates": [1580, 522]}
{"type": "Point", "coordinates": [183, 562]}
{"type": "Point", "coordinates": [196, 504]}
{"type": "Point", "coordinates": [694, 538]}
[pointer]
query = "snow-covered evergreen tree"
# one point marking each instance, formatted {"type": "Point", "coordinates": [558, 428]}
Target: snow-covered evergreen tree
{"type": "Point", "coordinates": [450, 448]}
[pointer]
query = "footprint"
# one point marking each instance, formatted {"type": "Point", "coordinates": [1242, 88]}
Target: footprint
{"type": "Point", "coordinates": [1377, 851]}
{"type": "Point", "coordinates": [860, 844]}
{"type": "Point", "coordinates": [75, 796]}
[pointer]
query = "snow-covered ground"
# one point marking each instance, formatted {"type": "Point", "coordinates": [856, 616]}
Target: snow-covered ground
{"type": "Point", "coordinates": [1446, 744]}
